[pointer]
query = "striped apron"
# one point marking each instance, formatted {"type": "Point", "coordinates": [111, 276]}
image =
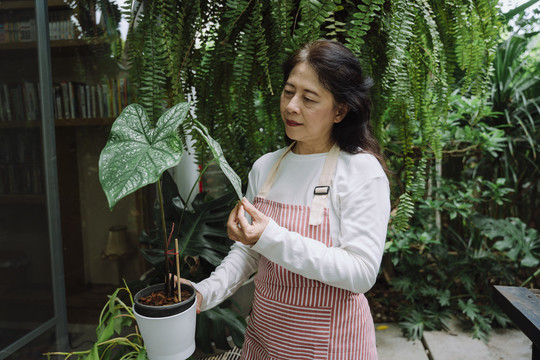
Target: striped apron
{"type": "Point", "coordinates": [294, 317]}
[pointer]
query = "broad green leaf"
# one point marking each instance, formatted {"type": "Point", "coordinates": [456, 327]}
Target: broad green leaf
{"type": "Point", "coordinates": [201, 227]}
{"type": "Point", "coordinates": [105, 332]}
{"type": "Point", "coordinates": [136, 153]}
{"type": "Point", "coordinates": [470, 309]}
{"type": "Point", "coordinates": [444, 298]}
{"type": "Point", "coordinates": [112, 301]}
{"type": "Point", "coordinates": [529, 260]}
{"type": "Point", "coordinates": [219, 157]}
{"type": "Point", "coordinates": [202, 232]}
{"type": "Point", "coordinates": [94, 353]}
{"type": "Point", "coordinates": [142, 355]}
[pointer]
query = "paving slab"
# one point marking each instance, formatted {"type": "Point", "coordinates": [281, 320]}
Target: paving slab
{"type": "Point", "coordinates": [451, 345]}
{"type": "Point", "coordinates": [509, 344]}
{"type": "Point", "coordinates": [455, 343]}
{"type": "Point", "coordinates": [392, 345]}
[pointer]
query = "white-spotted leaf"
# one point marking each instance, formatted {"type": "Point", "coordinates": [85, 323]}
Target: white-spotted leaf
{"type": "Point", "coordinates": [136, 154]}
{"type": "Point", "coordinates": [219, 157]}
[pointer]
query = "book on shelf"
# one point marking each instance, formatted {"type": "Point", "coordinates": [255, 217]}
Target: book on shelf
{"type": "Point", "coordinates": [2, 33]}
{"type": "Point", "coordinates": [93, 100]}
{"type": "Point", "coordinates": [4, 184]}
{"type": "Point", "coordinates": [81, 101]}
{"type": "Point", "coordinates": [31, 101]}
{"type": "Point", "coordinates": [65, 100]}
{"type": "Point", "coordinates": [21, 179]}
{"type": "Point", "coordinates": [88, 101]}
{"type": "Point", "coordinates": [71, 100]}
{"type": "Point", "coordinates": [58, 112]}
{"type": "Point", "coordinates": [60, 25]}
{"type": "Point", "coordinates": [17, 27]}
{"type": "Point", "coordinates": [101, 107]}
{"type": "Point", "coordinates": [21, 26]}
{"type": "Point", "coordinates": [3, 106]}
{"type": "Point", "coordinates": [19, 102]}
{"type": "Point", "coordinates": [20, 163]}
{"type": "Point", "coordinates": [71, 93]}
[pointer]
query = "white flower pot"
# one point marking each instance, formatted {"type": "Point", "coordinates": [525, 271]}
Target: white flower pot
{"type": "Point", "coordinates": [168, 331]}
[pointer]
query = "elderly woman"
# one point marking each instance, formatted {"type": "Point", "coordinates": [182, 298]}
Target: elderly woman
{"type": "Point", "coordinates": [313, 223]}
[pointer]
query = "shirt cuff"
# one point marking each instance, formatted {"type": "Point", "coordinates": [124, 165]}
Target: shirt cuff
{"type": "Point", "coordinates": [200, 288]}
{"type": "Point", "coordinates": [266, 238]}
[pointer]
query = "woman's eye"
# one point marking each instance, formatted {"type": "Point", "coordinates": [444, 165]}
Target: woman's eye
{"type": "Point", "coordinates": [288, 92]}
{"type": "Point", "coordinates": [308, 99]}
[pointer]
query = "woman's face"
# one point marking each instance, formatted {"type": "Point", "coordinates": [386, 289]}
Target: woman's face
{"type": "Point", "coordinates": [308, 111]}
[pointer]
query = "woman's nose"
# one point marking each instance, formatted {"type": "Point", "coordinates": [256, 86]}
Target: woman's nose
{"type": "Point", "coordinates": [292, 107]}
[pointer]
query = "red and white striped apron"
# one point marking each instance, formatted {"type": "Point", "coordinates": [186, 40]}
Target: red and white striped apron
{"type": "Point", "coordinates": [294, 317]}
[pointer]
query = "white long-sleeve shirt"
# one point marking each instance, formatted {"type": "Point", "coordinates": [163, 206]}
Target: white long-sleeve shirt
{"type": "Point", "coordinates": [359, 209]}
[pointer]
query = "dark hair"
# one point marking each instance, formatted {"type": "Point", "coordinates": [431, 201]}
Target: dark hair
{"type": "Point", "coordinates": [340, 73]}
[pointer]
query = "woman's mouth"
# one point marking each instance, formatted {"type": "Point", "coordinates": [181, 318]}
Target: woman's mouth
{"type": "Point", "coordinates": [292, 123]}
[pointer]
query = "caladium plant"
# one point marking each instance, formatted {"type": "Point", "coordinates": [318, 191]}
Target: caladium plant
{"type": "Point", "coordinates": [138, 153]}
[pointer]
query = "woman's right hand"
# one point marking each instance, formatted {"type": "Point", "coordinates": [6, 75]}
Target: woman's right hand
{"type": "Point", "coordinates": [199, 296]}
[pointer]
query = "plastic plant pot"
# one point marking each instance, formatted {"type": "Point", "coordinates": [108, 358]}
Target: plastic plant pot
{"type": "Point", "coordinates": [168, 331]}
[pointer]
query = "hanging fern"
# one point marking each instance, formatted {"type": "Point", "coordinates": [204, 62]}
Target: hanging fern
{"type": "Point", "coordinates": [361, 23]}
{"type": "Point", "coordinates": [226, 56]}
{"type": "Point", "coordinates": [153, 81]}
{"type": "Point", "coordinates": [476, 29]}
{"type": "Point", "coordinates": [311, 16]}
{"type": "Point", "coordinates": [334, 27]}
{"type": "Point", "coordinates": [405, 210]}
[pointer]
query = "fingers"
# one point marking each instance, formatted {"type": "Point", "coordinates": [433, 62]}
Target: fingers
{"type": "Point", "coordinates": [198, 294]}
{"type": "Point", "coordinates": [240, 229]}
{"type": "Point", "coordinates": [199, 301]}
{"type": "Point", "coordinates": [183, 281]}
{"type": "Point", "coordinates": [232, 225]}
{"type": "Point", "coordinates": [250, 209]}
{"type": "Point", "coordinates": [232, 215]}
{"type": "Point", "coordinates": [241, 217]}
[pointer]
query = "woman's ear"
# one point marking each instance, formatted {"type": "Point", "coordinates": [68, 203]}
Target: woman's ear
{"type": "Point", "coordinates": [341, 112]}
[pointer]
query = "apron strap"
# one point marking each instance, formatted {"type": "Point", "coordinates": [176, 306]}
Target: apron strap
{"type": "Point", "coordinates": [320, 193]}
{"type": "Point", "coordinates": [272, 176]}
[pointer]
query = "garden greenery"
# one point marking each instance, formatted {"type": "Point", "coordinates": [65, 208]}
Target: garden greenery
{"type": "Point", "coordinates": [454, 110]}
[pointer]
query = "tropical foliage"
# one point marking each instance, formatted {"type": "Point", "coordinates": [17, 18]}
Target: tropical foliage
{"type": "Point", "coordinates": [138, 153]}
{"type": "Point", "coordinates": [477, 228]}
{"type": "Point", "coordinates": [455, 108]}
{"type": "Point", "coordinates": [226, 56]}
{"type": "Point", "coordinates": [116, 337]}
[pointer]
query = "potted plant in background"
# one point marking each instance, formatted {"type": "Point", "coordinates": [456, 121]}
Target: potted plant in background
{"type": "Point", "coordinates": [137, 154]}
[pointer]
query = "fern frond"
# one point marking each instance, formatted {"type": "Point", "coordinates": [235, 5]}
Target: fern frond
{"type": "Point", "coordinates": [361, 23]}
{"type": "Point", "coordinates": [404, 212]}
{"type": "Point", "coordinates": [313, 14]}
{"type": "Point", "coordinates": [400, 34]}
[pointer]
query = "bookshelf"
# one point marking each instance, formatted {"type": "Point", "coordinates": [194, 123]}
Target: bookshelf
{"type": "Point", "coordinates": [75, 43]}
{"type": "Point", "coordinates": [90, 90]}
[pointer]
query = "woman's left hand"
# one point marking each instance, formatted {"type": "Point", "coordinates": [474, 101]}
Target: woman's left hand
{"type": "Point", "coordinates": [238, 227]}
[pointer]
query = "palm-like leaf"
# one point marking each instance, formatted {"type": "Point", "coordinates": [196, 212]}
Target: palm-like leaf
{"type": "Point", "coordinates": [202, 232]}
{"type": "Point", "coordinates": [515, 92]}
{"type": "Point", "coordinates": [204, 227]}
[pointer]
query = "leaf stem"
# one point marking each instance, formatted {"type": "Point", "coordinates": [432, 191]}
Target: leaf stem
{"type": "Point", "coordinates": [530, 278]}
{"type": "Point", "coordinates": [166, 275]}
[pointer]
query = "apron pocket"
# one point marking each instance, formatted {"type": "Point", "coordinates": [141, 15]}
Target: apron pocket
{"type": "Point", "coordinates": [291, 332]}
